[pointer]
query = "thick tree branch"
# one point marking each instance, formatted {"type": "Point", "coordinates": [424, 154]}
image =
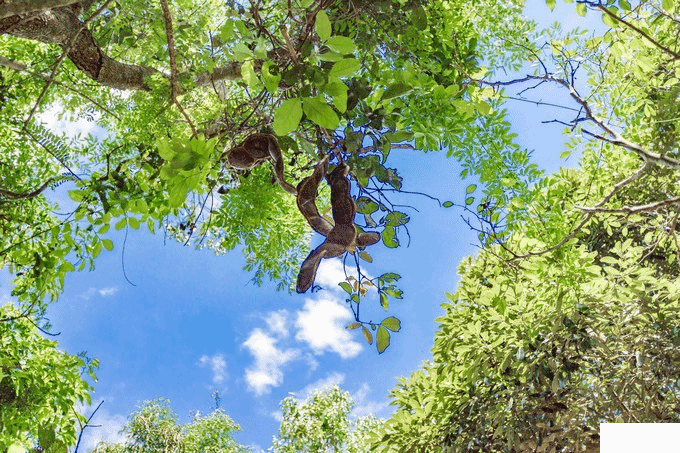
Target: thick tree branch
{"type": "Point", "coordinates": [31, 6]}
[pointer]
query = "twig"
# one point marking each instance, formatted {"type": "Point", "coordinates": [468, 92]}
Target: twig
{"type": "Point", "coordinates": [87, 424]}
{"type": "Point", "coordinates": [173, 64]}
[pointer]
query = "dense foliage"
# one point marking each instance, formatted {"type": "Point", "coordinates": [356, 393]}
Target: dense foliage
{"type": "Point", "coordinates": [569, 317]}
{"type": "Point", "coordinates": [322, 423]}
{"type": "Point", "coordinates": [154, 428]}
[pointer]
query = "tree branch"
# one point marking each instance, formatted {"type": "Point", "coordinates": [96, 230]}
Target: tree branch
{"type": "Point", "coordinates": [602, 8]}
{"type": "Point", "coordinates": [31, 6]}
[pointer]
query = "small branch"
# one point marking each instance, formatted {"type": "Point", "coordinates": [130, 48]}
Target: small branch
{"type": "Point", "coordinates": [173, 64]}
{"type": "Point", "coordinates": [590, 212]}
{"type": "Point", "coordinates": [87, 425]}
{"type": "Point", "coordinates": [633, 209]}
{"type": "Point", "coordinates": [33, 194]}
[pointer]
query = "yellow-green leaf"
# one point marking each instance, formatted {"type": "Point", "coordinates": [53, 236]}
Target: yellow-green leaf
{"type": "Point", "coordinates": [323, 25]}
{"type": "Point", "coordinates": [353, 325]}
{"type": "Point", "coordinates": [392, 323]}
{"type": "Point", "coordinates": [340, 44]}
{"type": "Point", "coordinates": [382, 339]}
{"type": "Point", "coordinates": [320, 112]}
{"type": "Point", "coordinates": [367, 335]}
{"type": "Point", "coordinates": [287, 116]}
{"type": "Point", "coordinates": [344, 68]}
{"type": "Point", "coordinates": [108, 244]}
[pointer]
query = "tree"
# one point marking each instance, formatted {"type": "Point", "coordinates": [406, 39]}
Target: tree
{"type": "Point", "coordinates": [321, 423]}
{"type": "Point", "coordinates": [176, 85]}
{"type": "Point", "coordinates": [154, 428]}
{"type": "Point", "coordinates": [40, 387]}
{"type": "Point", "coordinates": [569, 316]}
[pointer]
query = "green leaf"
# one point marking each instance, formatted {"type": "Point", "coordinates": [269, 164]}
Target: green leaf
{"type": "Point", "coordinates": [97, 249]}
{"type": "Point", "coordinates": [609, 21]}
{"type": "Point", "coordinates": [366, 256]}
{"type": "Point", "coordinates": [108, 244]}
{"type": "Point", "coordinates": [271, 81]}
{"type": "Point", "coordinates": [469, 200]}
{"type": "Point", "coordinates": [566, 153]}
{"type": "Point", "coordinates": [76, 195]}
{"type": "Point", "coordinates": [338, 91]}
{"type": "Point", "coordinates": [389, 237]}
{"type": "Point", "coordinates": [287, 116]}
{"type": "Point", "coordinates": [121, 224]}
{"type": "Point", "coordinates": [320, 113]}
{"type": "Point", "coordinates": [341, 44]}
{"type": "Point", "coordinates": [392, 323]}
{"type": "Point", "coordinates": [346, 286]}
{"type": "Point", "coordinates": [367, 335]}
{"type": "Point", "coordinates": [581, 9]}
{"type": "Point", "coordinates": [471, 188]}
{"type": "Point", "coordinates": [447, 204]}
{"type": "Point", "coordinates": [133, 222]}
{"type": "Point", "coordinates": [383, 300]}
{"type": "Point", "coordinates": [323, 25]}
{"type": "Point", "coordinates": [345, 68]}
{"type": "Point", "coordinates": [624, 5]}
{"type": "Point", "coordinates": [382, 339]}
{"type": "Point", "coordinates": [66, 266]}
{"type": "Point", "coordinates": [419, 18]}
{"type": "Point", "coordinates": [395, 90]}
{"type": "Point", "coordinates": [668, 5]}
{"type": "Point", "coordinates": [551, 4]}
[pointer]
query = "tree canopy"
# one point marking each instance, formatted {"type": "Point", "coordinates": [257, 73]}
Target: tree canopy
{"type": "Point", "coordinates": [567, 316]}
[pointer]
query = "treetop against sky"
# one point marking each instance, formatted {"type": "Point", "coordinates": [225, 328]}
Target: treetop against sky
{"type": "Point", "coordinates": [360, 150]}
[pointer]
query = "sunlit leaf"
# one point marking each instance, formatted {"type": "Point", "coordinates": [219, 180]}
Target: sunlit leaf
{"type": "Point", "coordinates": [392, 323]}
{"type": "Point", "coordinates": [323, 25]}
{"type": "Point", "coordinates": [382, 339]}
{"type": "Point", "coordinates": [287, 116]}
{"type": "Point", "coordinates": [367, 334]}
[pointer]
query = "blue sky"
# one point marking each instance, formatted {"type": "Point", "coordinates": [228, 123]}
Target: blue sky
{"type": "Point", "coordinates": [194, 324]}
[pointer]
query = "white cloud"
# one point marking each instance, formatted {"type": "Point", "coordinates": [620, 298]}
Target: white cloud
{"type": "Point", "coordinates": [269, 360]}
{"type": "Point", "coordinates": [331, 272]}
{"type": "Point", "coordinates": [108, 291]}
{"type": "Point", "coordinates": [277, 322]}
{"type": "Point", "coordinates": [72, 128]}
{"type": "Point", "coordinates": [103, 292]}
{"type": "Point", "coordinates": [363, 406]}
{"type": "Point", "coordinates": [321, 325]}
{"type": "Point", "coordinates": [321, 384]}
{"type": "Point", "coordinates": [217, 364]}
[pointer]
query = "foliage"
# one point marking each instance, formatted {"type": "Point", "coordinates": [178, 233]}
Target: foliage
{"type": "Point", "coordinates": [321, 423]}
{"type": "Point", "coordinates": [569, 316]}
{"type": "Point", "coordinates": [40, 387]}
{"type": "Point", "coordinates": [154, 428]}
